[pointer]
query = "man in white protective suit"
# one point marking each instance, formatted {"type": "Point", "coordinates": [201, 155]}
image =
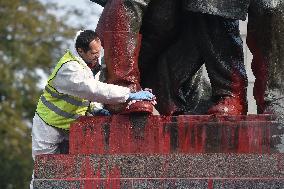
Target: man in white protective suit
{"type": "Point", "coordinates": [68, 93]}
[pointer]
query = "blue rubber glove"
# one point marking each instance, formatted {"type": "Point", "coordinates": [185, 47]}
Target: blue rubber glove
{"type": "Point", "coordinates": [101, 112]}
{"type": "Point", "coordinates": [141, 95]}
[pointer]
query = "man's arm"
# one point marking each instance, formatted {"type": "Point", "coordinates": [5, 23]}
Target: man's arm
{"type": "Point", "coordinates": [74, 80]}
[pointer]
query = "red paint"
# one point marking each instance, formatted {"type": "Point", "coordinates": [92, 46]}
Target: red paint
{"type": "Point", "coordinates": [228, 142]}
{"type": "Point", "coordinates": [239, 90]}
{"type": "Point", "coordinates": [236, 102]}
{"type": "Point", "coordinates": [164, 139]}
{"type": "Point", "coordinates": [87, 171]}
{"type": "Point", "coordinates": [121, 58]}
{"type": "Point", "coordinates": [75, 135]}
{"type": "Point", "coordinates": [243, 146]}
{"type": "Point", "coordinates": [122, 46]}
{"type": "Point", "coordinates": [255, 138]}
{"type": "Point", "coordinates": [267, 136]}
{"type": "Point", "coordinates": [194, 138]}
{"type": "Point", "coordinates": [114, 18]}
{"type": "Point", "coordinates": [112, 179]}
{"type": "Point", "coordinates": [184, 138]}
{"type": "Point", "coordinates": [154, 135]}
{"type": "Point", "coordinates": [128, 138]}
{"type": "Point", "coordinates": [86, 138]}
{"type": "Point", "coordinates": [210, 184]}
{"type": "Point", "coordinates": [97, 181]}
{"type": "Point", "coordinates": [119, 139]}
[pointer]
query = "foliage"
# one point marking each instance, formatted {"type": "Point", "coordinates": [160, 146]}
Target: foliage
{"type": "Point", "coordinates": [32, 39]}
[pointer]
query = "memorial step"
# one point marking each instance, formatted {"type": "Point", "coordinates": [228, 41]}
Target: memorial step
{"type": "Point", "coordinates": [220, 165]}
{"type": "Point", "coordinates": [209, 183]}
{"type": "Point", "coordinates": [200, 171]}
{"type": "Point", "coordinates": [196, 152]}
{"type": "Point", "coordinates": [183, 134]}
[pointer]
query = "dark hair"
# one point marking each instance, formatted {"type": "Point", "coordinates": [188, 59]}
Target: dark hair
{"type": "Point", "coordinates": [84, 39]}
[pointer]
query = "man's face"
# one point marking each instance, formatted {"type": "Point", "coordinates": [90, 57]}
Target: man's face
{"type": "Point", "coordinates": [91, 57]}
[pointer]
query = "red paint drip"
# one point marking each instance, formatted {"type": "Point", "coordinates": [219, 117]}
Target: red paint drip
{"type": "Point", "coordinates": [73, 137]}
{"type": "Point", "coordinates": [122, 46]}
{"type": "Point", "coordinates": [155, 136]}
{"type": "Point", "coordinates": [86, 138]}
{"type": "Point", "coordinates": [119, 139]}
{"type": "Point", "coordinates": [97, 181]}
{"type": "Point", "coordinates": [267, 140]}
{"type": "Point", "coordinates": [114, 18]}
{"type": "Point", "coordinates": [183, 136]}
{"type": "Point", "coordinates": [112, 179]}
{"type": "Point", "coordinates": [210, 184]}
{"type": "Point", "coordinates": [87, 172]}
{"type": "Point", "coordinates": [239, 86]}
{"type": "Point", "coordinates": [152, 135]}
{"type": "Point", "coordinates": [165, 143]}
{"type": "Point", "coordinates": [191, 136]}
{"type": "Point", "coordinates": [243, 139]}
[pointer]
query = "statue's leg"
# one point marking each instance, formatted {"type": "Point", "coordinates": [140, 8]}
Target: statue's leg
{"type": "Point", "coordinates": [118, 29]}
{"type": "Point", "coordinates": [222, 49]}
{"type": "Point", "coordinates": [266, 42]}
{"type": "Point", "coordinates": [122, 16]}
{"type": "Point", "coordinates": [160, 27]}
{"type": "Point", "coordinates": [180, 85]}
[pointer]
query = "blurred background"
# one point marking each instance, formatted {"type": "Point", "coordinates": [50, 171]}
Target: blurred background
{"type": "Point", "coordinates": [33, 36]}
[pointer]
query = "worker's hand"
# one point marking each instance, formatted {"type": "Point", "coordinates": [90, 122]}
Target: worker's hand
{"type": "Point", "coordinates": [141, 95]}
{"type": "Point", "coordinates": [101, 112]}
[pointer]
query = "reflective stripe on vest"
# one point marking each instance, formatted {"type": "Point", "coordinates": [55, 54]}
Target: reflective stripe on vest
{"type": "Point", "coordinates": [57, 109]}
{"type": "Point", "coordinates": [67, 98]}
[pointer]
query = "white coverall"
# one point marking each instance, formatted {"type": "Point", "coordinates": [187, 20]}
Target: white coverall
{"type": "Point", "coordinates": [71, 79]}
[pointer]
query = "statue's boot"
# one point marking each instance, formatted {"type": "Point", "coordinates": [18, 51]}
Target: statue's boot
{"type": "Point", "coordinates": [230, 98]}
{"type": "Point", "coordinates": [118, 29]}
{"type": "Point", "coordinates": [222, 50]}
{"type": "Point", "coordinates": [229, 90]}
{"type": "Point", "coordinates": [229, 106]}
{"type": "Point", "coordinates": [121, 58]}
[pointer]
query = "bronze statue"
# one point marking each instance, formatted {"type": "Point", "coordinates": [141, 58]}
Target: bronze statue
{"type": "Point", "coordinates": [266, 42]}
{"type": "Point", "coordinates": [178, 37]}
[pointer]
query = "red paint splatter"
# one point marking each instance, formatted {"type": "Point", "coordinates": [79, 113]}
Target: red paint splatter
{"type": "Point", "coordinates": [210, 184]}
{"type": "Point", "coordinates": [155, 135]}
{"type": "Point", "coordinates": [90, 181]}
{"type": "Point", "coordinates": [114, 18]}
{"type": "Point", "coordinates": [87, 172]}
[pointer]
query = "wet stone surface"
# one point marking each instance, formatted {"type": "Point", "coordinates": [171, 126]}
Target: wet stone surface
{"type": "Point", "coordinates": [252, 184]}
{"type": "Point", "coordinates": [160, 166]}
{"type": "Point", "coordinates": [162, 184]}
{"type": "Point", "coordinates": [167, 152]}
{"type": "Point", "coordinates": [182, 134]}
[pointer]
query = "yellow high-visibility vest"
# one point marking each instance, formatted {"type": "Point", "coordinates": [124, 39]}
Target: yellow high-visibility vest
{"type": "Point", "coordinates": [57, 109]}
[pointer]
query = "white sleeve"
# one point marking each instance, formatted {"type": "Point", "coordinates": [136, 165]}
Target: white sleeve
{"type": "Point", "coordinates": [73, 79]}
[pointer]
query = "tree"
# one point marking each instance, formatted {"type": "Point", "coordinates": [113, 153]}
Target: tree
{"type": "Point", "coordinates": [32, 39]}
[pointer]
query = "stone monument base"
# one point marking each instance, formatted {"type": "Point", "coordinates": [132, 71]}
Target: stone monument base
{"type": "Point", "coordinates": [196, 152]}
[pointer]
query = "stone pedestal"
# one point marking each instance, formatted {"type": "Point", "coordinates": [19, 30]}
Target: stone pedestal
{"type": "Point", "coordinates": [205, 152]}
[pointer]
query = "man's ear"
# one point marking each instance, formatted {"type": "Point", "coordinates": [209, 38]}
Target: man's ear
{"type": "Point", "coordinates": [80, 51]}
